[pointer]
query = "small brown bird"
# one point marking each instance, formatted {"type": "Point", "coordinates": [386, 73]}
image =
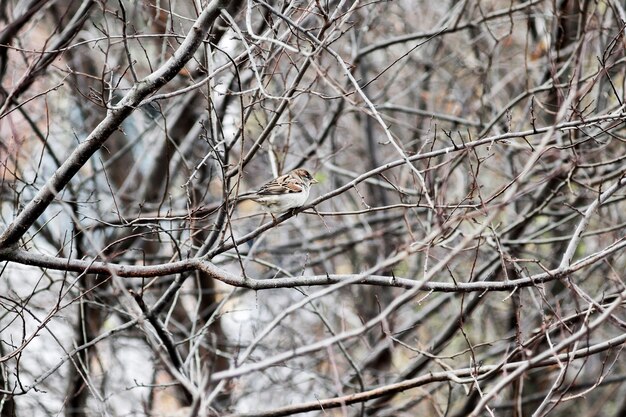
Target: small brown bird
{"type": "Point", "coordinates": [283, 193]}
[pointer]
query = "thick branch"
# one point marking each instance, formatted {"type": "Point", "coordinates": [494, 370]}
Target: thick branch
{"type": "Point", "coordinates": [196, 264]}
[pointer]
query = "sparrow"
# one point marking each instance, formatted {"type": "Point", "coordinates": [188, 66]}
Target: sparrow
{"type": "Point", "coordinates": [283, 193]}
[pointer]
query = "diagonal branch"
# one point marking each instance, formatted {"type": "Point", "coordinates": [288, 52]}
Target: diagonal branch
{"type": "Point", "coordinates": [111, 122]}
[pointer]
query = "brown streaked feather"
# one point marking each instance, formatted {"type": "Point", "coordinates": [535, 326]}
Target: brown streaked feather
{"type": "Point", "coordinates": [275, 189]}
{"type": "Point", "coordinates": [293, 187]}
{"type": "Point", "coordinates": [279, 185]}
{"type": "Point", "coordinates": [302, 172]}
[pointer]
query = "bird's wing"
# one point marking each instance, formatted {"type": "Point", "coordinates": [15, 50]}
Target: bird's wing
{"type": "Point", "coordinates": [280, 185]}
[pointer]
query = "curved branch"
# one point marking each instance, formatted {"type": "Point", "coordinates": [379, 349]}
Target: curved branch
{"type": "Point", "coordinates": [196, 264]}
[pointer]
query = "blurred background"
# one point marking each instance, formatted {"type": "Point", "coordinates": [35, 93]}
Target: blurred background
{"type": "Point", "coordinates": [470, 158]}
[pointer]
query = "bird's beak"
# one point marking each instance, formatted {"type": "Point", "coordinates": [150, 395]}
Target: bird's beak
{"type": "Point", "coordinates": [314, 181]}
